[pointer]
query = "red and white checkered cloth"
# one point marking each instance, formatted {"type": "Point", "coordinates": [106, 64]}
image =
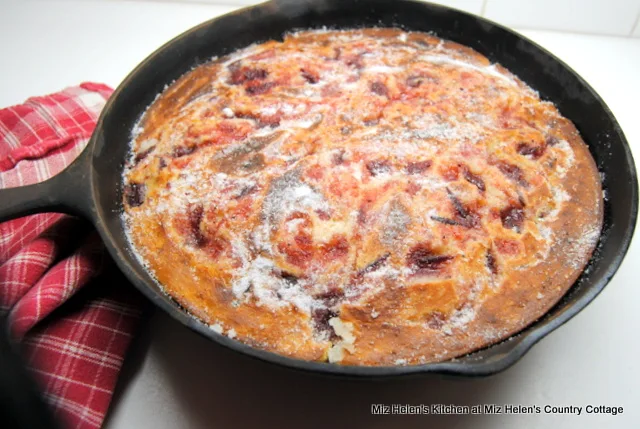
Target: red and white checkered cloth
{"type": "Point", "coordinates": [74, 350]}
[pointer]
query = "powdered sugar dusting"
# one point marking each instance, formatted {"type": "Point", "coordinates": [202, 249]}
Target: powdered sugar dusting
{"type": "Point", "coordinates": [580, 248]}
{"type": "Point", "coordinates": [449, 61]}
{"type": "Point", "coordinates": [289, 193]}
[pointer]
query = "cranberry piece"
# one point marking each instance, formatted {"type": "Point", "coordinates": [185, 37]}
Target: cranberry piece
{"type": "Point", "coordinates": [418, 167]}
{"type": "Point", "coordinates": [491, 262]}
{"type": "Point", "coordinates": [472, 178]}
{"type": "Point", "coordinates": [336, 248]}
{"type": "Point", "coordinates": [445, 220]}
{"type": "Point", "coordinates": [414, 81]}
{"type": "Point", "coordinates": [310, 76]}
{"type": "Point", "coordinates": [436, 320]}
{"type": "Point", "coordinates": [551, 141]}
{"type": "Point", "coordinates": [413, 188]}
{"type": "Point", "coordinates": [512, 217]}
{"type": "Point", "coordinates": [291, 279]}
{"type": "Point", "coordinates": [300, 252]}
{"type": "Point", "coordinates": [321, 317]}
{"type": "Point", "coordinates": [331, 297]}
{"type": "Point", "coordinates": [364, 209]}
{"type": "Point", "coordinates": [464, 215]}
{"type": "Point", "coordinates": [530, 150]}
{"type": "Point", "coordinates": [134, 194]}
{"type": "Point", "coordinates": [268, 121]}
{"type": "Point", "coordinates": [252, 74]}
{"type": "Point", "coordinates": [303, 240]}
{"type": "Point", "coordinates": [180, 151]}
{"type": "Point", "coordinates": [142, 155]}
{"type": "Point", "coordinates": [323, 215]}
{"type": "Point", "coordinates": [338, 158]}
{"type": "Point", "coordinates": [354, 61]}
{"type": "Point", "coordinates": [378, 167]}
{"type": "Point", "coordinates": [243, 74]}
{"type": "Point", "coordinates": [423, 260]}
{"type": "Point", "coordinates": [380, 89]}
{"type": "Point", "coordinates": [195, 217]}
{"type": "Point", "coordinates": [375, 265]}
{"type": "Point", "coordinates": [247, 115]}
{"type": "Point", "coordinates": [259, 88]}
{"type": "Point", "coordinates": [261, 121]}
{"type": "Point", "coordinates": [513, 172]}
{"type": "Point", "coordinates": [246, 191]}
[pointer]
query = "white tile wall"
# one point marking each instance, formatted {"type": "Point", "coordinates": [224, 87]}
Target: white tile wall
{"type": "Point", "coordinates": [613, 17]}
{"type": "Point", "coordinates": [473, 6]}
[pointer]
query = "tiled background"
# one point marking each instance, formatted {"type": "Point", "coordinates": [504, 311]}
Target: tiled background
{"type": "Point", "coordinates": [610, 17]}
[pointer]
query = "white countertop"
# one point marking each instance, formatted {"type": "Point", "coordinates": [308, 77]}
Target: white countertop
{"type": "Point", "coordinates": [175, 379]}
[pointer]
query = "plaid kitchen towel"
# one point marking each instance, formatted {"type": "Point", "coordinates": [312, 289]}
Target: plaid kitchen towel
{"type": "Point", "coordinates": [73, 344]}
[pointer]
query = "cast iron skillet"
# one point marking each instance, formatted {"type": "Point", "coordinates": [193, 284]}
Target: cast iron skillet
{"type": "Point", "coordinates": [91, 186]}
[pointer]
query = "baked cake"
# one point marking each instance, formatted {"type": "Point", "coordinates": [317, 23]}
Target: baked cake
{"type": "Point", "coordinates": [364, 197]}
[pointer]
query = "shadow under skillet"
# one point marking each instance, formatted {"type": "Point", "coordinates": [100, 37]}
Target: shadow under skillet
{"type": "Point", "coordinates": [218, 388]}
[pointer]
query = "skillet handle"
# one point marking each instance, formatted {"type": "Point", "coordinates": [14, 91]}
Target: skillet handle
{"type": "Point", "coordinates": [67, 192]}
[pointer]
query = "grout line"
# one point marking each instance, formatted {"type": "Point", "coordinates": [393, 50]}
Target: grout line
{"type": "Point", "coordinates": [636, 25]}
{"type": "Point", "coordinates": [483, 9]}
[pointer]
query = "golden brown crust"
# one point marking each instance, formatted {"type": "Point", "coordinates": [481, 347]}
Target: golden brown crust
{"type": "Point", "coordinates": [371, 197]}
